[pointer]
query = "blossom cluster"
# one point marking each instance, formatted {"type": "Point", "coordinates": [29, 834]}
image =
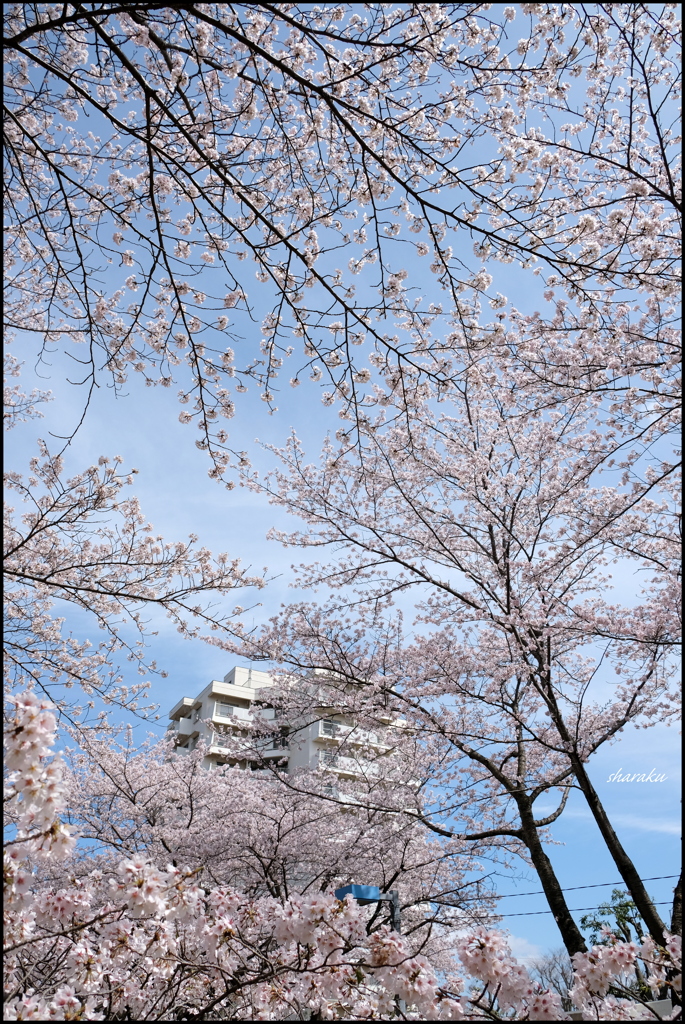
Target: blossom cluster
{"type": "Point", "coordinates": [34, 784]}
{"type": "Point", "coordinates": [603, 966]}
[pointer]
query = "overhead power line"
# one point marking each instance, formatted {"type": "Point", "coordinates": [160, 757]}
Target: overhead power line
{"type": "Point", "coordinates": [572, 888]}
{"type": "Point", "coordinates": [577, 910]}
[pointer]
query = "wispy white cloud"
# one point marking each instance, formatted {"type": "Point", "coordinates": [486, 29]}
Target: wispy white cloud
{"type": "Point", "coordinates": [670, 826]}
{"type": "Point", "coordinates": [523, 950]}
{"type": "Point", "coordinates": [642, 823]}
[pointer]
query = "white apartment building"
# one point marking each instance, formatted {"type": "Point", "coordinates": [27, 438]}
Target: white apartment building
{"type": "Point", "coordinates": [325, 740]}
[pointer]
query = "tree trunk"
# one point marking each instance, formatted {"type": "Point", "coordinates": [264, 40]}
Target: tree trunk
{"type": "Point", "coordinates": [626, 868]}
{"type": "Point", "coordinates": [570, 933]}
{"type": "Point", "coordinates": [677, 912]}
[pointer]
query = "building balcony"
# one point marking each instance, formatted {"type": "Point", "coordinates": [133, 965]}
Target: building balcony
{"type": "Point", "coordinates": [348, 735]}
{"type": "Point", "coordinates": [183, 729]}
{"type": "Point", "coordinates": [275, 753]}
{"type": "Point", "coordinates": [275, 745]}
{"type": "Point", "coordinates": [342, 765]}
{"type": "Point", "coordinates": [326, 730]}
{"type": "Point", "coordinates": [216, 748]}
{"type": "Point", "coordinates": [229, 713]}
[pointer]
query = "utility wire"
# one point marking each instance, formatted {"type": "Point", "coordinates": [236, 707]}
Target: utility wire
{"type": "Point", "coordinates": [577, 910]}
{"type": "Point", "coordinates": [573, 888]}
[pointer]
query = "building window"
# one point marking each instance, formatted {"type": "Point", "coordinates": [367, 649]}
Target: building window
{"type": "Point", "coordinates": [329, 728]}
{"type": "Point", "coordinates": [328, 758]}
{"type": "Point", "coordinates": [224, 710]}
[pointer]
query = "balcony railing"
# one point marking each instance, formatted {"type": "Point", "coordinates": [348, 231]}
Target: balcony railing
{"type": "Point", "coordinates": [229, 711]}
{"type": "Point", "coordinates": [182, 729]}
{"type": "Point", "coordinates": [278, 741]}
{"type": "Point", "coordinates": [348, 734]}
{"type": "Point", "coordinates": [341, 764]}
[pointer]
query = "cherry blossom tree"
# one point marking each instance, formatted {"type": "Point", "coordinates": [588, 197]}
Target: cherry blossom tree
{"type": "Point", "coordinates": [504, 521]}
{"type": "Point", "coordinates": [330, 147]}
{"type": "Point", "coordinates": [152, 943]}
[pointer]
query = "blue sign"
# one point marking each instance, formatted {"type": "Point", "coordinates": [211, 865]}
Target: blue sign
{"type": "Point", "coordinates": [362, 893]}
